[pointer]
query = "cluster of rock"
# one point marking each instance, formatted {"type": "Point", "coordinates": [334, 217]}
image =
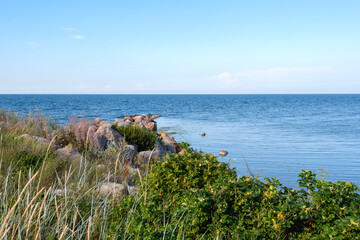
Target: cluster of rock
{"type": "Point", "coordinates": [143, 120]}
{"type": "Point", "coordinates": [103, 137]}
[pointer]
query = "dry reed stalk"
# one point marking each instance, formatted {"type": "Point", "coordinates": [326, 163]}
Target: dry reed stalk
{"type": "Point", "coordinates": [63, 232]}
{"type": "Point", "coordinates": [89, 228]}
{"type": "Point", "coordinates": [38, 225]}
{"type": "Point", "coordinates": [6, 231]}
{"type": "Point", "coordinates": [247, 166]}
{"type": "Point", "coordinates": [19, 183]}
{"type": "Point", "coordinates": [74, 223]}
{"type": "Point", "coordinates": [30, 219]}
{"type": "Point", "coordinates": [148, 163]}
{"type": "Point", "coordinates": [29, 129]}
{"type": "Point", "coordinates": [43, 164]}
{"type": "Point", "coordinates": [27, 208]}
{"type": "Point", "coordinates": [13, 231]}
{"type": "Point", "coordinates": [16, 203]}
{"type": "Point", "coordinates": [14, 126]}
{"type": "Point", "coordinates": [32, 200]}
{"type": "Point", "coordinates": [57, 214]}
{"type": "Point", "coordinates": [1, 159]}
{"type": "Point", "coordinates": [28, 195]}
{"type": "Point", "coordinates": [141, 182]}
{"type": "Point", "coordinates": [116, 162]}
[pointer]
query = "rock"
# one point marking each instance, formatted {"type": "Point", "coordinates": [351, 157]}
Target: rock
{"type": "Point", "coordinates": [34, 138]}
{"type": "Point", "coordinates": [140, 118]}
{"type": "Point", "coordinates": [121, 122]}
{"type": "Point", "coordinates": [128, 119]}
{"type": "Point", "coordinates": [167, 139]}
{"type": "Point", "coordinates": [154, 116]}
{"type": "Point", "coordinates": [203, 134]}
{"type": "Point", "coordinates": [129, 171]}
{"type": "Point", "coordinates": [142, 125]}
{"type": "Point", "coordinates": [170, 140]}
{"type": "Point", "coordinates": [69, 152]}
{"type": "Point", "coordinates": [171, 148]}
{"type": "Point", "coordinates": [97, 122]}
{"type": "Point", "coordinates": [152, 126]}
{"type": "Point", "coordinates": [223, 153]}
{"type": "Point", "coordinates": [118, 121]}
{"type": "Point", "coordinates": [129, 152]}
{"type": "Point", "coordinates": [110, 133]}
{"type": "Point", "coordinates": [116, 189]}
{"type": "Point", "coordinates": [106, 124]}
{"type": "Point", "coordinates": [159, 149]}
{"type": "Point", "coordinates": [98, 141]}
{"type": "Point", "coordinates": [63, 192]}
{"type": "Point", "coordinates": [143, 157]}
{"type": "Point", "coordinates": [133, 190]}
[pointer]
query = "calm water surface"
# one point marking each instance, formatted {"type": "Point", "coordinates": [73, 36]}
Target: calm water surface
{"type": "Point", "coordinates": [277, 134]}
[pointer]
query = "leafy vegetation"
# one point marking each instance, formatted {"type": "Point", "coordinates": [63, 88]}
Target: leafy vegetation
{"type": "Point", "coordinates": [194, 196]}
{"type": "Point", "coordinates": [189, 196]}
{"type": "Point", "coordinates": [142, 137]}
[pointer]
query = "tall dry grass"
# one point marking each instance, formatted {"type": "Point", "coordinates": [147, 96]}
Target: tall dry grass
{"type": "Point", "coordinates": [43, 196]}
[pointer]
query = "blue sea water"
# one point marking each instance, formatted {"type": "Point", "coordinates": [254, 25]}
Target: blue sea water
{"type": "Point", "coordinates": [278, 135]}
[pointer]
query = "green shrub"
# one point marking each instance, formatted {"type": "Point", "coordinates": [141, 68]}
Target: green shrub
{"type": "Point", "coordinates": [144, 138]}
{"type": "Point", "coordinates": [194, 196]}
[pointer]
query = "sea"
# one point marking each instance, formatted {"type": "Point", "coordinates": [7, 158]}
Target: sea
{"type": "Point", "coordinates": [276, 135]}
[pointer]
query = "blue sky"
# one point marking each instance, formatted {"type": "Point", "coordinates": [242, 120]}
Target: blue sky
{"type": "Point", "coordinates": [180, 46]}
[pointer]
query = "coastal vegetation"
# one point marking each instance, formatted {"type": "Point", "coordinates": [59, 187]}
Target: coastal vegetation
{"type": "Point", "coordinates": [144, 139]}
{"type": "Point", "coordinates": [122, 180]}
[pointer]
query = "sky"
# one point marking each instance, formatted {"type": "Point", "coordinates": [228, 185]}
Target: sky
{"type": "Point", "coordinates": [179, 47]}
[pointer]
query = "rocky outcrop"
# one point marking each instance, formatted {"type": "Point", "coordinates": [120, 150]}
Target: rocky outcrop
{"type": "Point", "coordinates": [157, 153]}
{"type": "Point", "coordinates": [34, 138]}
{"type": "Point", "coordinates": [115, 189]}
{"type": "Point", "coordinates": [223, 153]}
{"type": "Point", "coordinates": [121, 122]}
{"type": "Point", "coordinates": [170, 147]}
{"type": "Point", "coordinates": [69, 153]}
{"type": "Point", "coordinates": [143, 157]}
{"type": "Point", "coordinates": [110, 133]}
{"type": "Point", "coordinates": [63, 192]}
{"type": "Point", "coordinates": [133, 190]}
{"type": "Point", "coordinates": [129, 171]}
{"type": "Point", "coordinates": [170, 141]}
{"type": "Point", "coordinates": [151, 126]}
{"type": "Point", "coordinates": [98, 141]}
{"type": "Point", "coordinates": [143, 120]}
{"type": "Point", "coordinates": [97, 122]}
{"type": "Point", "coordinates": [129, 152]}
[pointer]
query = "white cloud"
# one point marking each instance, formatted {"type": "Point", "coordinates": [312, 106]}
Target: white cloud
{"type": "Point", "coordinates": [33, 44]}
{"type": "Point", "coordinates": [227, 80]}
{"type": "Point", "coordinates": [78, 37]}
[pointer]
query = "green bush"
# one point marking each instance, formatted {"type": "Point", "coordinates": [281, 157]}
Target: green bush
{"type": "Point", "coordinates": [144, 138]}
{"type": "Point", "coordinates": [194, 196]}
